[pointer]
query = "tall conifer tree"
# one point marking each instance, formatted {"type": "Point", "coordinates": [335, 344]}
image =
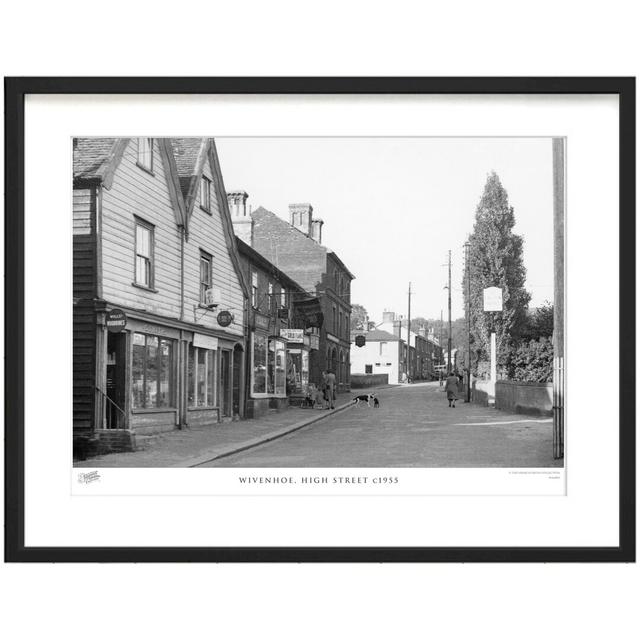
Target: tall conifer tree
{"type": "Point", "coordinates": [495, 260]}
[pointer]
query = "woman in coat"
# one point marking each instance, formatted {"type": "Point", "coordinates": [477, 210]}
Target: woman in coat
{"type": "Point", "coordinates": [451, 388]}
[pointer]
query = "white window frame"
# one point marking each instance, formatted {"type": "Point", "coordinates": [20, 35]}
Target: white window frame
{"type": "Point", "coordinates": [145, 154]}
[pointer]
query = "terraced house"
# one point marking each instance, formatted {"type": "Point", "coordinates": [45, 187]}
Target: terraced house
{"type": "Point", "coordinates": [159, 296]}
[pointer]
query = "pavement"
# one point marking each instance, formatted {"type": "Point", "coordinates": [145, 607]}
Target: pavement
{"type": "Point", "coordinates": [412, 428]}
{"type": "Point", "coordinates": [194, 446]}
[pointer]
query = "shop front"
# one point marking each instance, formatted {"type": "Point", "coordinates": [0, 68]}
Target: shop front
{"type": "Point", "coordinates": [152, 377]}
{"type": "Point", "coordinates": [268, 370]}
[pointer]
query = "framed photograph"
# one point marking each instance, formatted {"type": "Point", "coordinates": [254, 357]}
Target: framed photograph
{"type": "Point", "coordinates": [320, 319]}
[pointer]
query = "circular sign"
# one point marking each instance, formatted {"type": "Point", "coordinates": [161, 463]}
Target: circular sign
{"type": "Point", "coordinates": [360, 341]}
{"type": "Point", "coordinates": [116, 320]}
{"type": "Point", "coordinates": [225, 318]}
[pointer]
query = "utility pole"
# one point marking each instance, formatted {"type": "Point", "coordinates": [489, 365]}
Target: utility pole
{"type": "Point", "coordinates": [441, 358]}
{"type": "Point", "coordinates": [449, 340]}
{"type": "Point", "coordinates": [409, 336]}
{"type": "Point", "coordinates": [467, 247]}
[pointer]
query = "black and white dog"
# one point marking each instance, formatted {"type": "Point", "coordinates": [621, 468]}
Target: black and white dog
{"type": "Point", "coordinates": [369, 398]}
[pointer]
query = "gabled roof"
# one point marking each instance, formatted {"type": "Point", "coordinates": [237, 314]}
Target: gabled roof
{"type": "Point", "coordinates": [190, 156]}
{"type": "Point", "coordinates": [97, 158]}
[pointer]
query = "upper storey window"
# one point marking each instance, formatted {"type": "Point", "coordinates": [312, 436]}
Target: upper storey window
{"type": "Point", "coordinates": [205, 194]}
{"type": "Point", "coordinates": [145, 153]}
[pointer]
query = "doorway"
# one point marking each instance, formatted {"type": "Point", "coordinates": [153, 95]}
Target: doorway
{"type": "Point", "coordinates": [237, 377]}
{"type": "Point", "coordinates": [115, 381]}
{"type": "Point", "coordinates": [225, 383]}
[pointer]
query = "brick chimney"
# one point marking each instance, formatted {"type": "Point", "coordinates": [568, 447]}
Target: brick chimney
{"type": "Point", "coordinates": [240, 216]}
{"type": "Point", "coordinates": [300, 216]}
{"type": "Point", "coordinates": [316, 229]}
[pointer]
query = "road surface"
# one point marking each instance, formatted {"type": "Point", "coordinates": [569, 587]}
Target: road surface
{"type": "Point", "coordinates": [414, 427]}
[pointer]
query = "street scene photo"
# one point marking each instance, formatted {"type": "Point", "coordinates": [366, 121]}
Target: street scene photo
{"type": "Point", "coordinates": [318, 302]}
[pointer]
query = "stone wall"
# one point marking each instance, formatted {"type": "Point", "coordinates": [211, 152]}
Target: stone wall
{"type": "Point", "coordinates": [363, 381]}
{"type": "Point", "coordinates": [532, 398]}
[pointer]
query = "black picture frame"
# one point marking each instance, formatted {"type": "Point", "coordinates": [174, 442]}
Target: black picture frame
{"type": "Point", "coordinates": [15, 91]}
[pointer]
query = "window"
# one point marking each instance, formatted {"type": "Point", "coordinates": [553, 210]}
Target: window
{"type": "Point", "coordinates": [145, 153]}
{"type": "Point", "coordinates": [205, 276]}
{"type": "Point", "coordinates": [340, 325]}
{"type": "Point", "coordinates": [144, 254]}
{"type": "Point", "coordinates": [254, 289]}
{"type": "Point", "coordinates": [269, 366]}
{"type": "Point", "coordinates": [335, 320]}
{"type": "Point", "coordinates": [368, 368]}
{"type": "Point", "coordinates": [259, 363]}
{"type": "Point", "coordinates": [152, 372]}
{"type": "Point", "coordinates": [283, 297]}
{"type": "Point", "coordinates": [202, 377]}
{"type": "Point", "coordinates": [272, 300]}
{"type": "Point", "coordinates": [205, 194]}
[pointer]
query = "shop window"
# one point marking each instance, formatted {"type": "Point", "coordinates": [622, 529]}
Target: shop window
{"type": "Point", "coordinates": [145, 153]}
{"type": "Point", "coordinates": [202, 377]}
{"type": "Point", "coordinates": [368, 368]}
{"type": "Point", "coordinates": [259, 363]}
{"type": "Point", "coordinates": [144, 254]}
{"type": "Point", "coordinates": [205, 194]}
{"type": "Point", "coordinates": [205, 276]}
{"type": "Point", "coordinates": [269, 366]}
{"type": "Point", "coordinates": [152, 372]}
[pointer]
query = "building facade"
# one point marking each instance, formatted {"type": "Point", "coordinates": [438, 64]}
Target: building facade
{"type": "Point", "coordinates": [280, 334]}
{"type": "Point", "coordinates": [158, 293]}
{"type": "Point", "coordinates": [296, 249]}
{"type": "Point", "coordinates": [382, 353]}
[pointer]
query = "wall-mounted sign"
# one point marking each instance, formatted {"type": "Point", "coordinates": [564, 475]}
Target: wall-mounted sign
{"type": "Point", "coordinates": [360, 341]}
{"type": "Point", "coordinates": [225, 318]}
{"type": "Point", "coordinates": [314, 341]}
{"type": "Point", "coordinates": [292, 335]}
{"type": "Point", "coordinates": [205, 342]}
{"type": "Point", "coordinates": [260, 321]}
{"type": "Point", "coordinates": [116, 320]}
{"type": "Point", "coordinates": [492, 299]}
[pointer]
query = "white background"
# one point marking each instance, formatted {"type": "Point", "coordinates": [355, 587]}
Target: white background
{"type": "Point", "coordinates": [487, 38]}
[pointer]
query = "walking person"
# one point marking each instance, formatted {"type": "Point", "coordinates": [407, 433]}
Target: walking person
{"type": "Point", "coordinates": [330, 387]}
{"type": "Point", "coordinates": [451, 388]}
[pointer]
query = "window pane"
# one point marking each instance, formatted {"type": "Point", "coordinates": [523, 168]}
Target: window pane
{"type": "Point", "coordinates": [151, 391]}
{"type": "Point", "coordinates": [137, 371]}
{"type": "Point", "coordinates": [202, 375]}
{"type": "Point", "coordinates": [191, 372]}
{"type": "Point", "coordinates": [211, 378]}
{"type": "Point", "coordinates": [259, 364]}
{"type": "Point", "coordinates": [143, 244]}
{"type": "Point", "coordinates": [280, 366]}
{"type": "Point", "coordinates": [271, 362]}
{"type": "Point", "coordinates": [164, 379]}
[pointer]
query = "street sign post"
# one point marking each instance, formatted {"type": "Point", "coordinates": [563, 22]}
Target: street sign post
{"type": "Point", "coordinates": [492, 302]}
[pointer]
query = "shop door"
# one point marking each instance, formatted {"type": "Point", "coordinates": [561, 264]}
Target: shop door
{"type": "Point", "coordinates": [225, 382]}
{"type": "Point", "coordinates": [116, 358]}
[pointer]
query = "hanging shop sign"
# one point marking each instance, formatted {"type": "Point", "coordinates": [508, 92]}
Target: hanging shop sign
{"type": "Point", "coordinates": [292, 335]}
{"type": "Point", "coordinates": [116, 320]}
{"type": "Point", "coordinates": [225, 318]}
{"type": "Point", "coordinates": [361, 341]}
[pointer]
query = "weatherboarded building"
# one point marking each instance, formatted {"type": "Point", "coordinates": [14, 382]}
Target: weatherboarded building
{"type": "Point", "coordinates": [159, 301]}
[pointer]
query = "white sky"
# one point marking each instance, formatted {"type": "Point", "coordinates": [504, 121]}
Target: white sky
{"type": "Point", "coordinates": [393, 207]}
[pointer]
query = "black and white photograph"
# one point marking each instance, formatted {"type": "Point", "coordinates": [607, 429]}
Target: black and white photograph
{"type": "Point", "coordinates": [318, 302]}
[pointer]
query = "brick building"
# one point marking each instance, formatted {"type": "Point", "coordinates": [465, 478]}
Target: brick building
{"type": "Point", "coordinates": [296, 249]}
